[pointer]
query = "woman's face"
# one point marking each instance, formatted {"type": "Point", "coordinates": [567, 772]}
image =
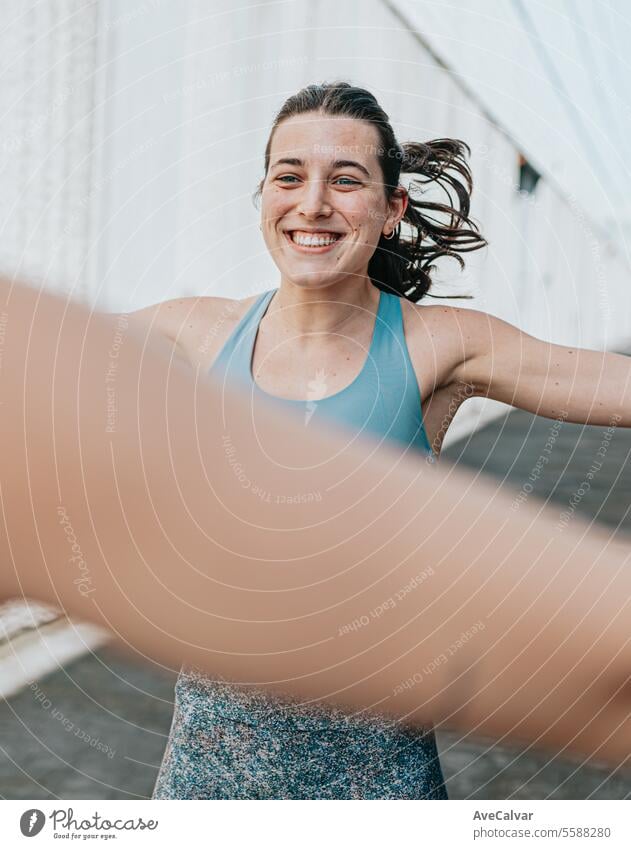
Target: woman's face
{"type": "Point", "coordinates": [323, 204]}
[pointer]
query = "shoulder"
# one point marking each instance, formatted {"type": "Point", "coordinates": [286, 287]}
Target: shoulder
{"type": "Point", "coordinates": [472, 330]}
{"type": "Point", "coordinates": [197, 326]}
{"type": "Point", "coordinates": [448, 335]}
{"type": "Point", "coordinates": [445, 317]}
{"type": "Point", "coordinates": [177, 316]}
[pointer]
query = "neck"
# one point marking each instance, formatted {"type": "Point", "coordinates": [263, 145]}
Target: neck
{"type": "Point", "coordinates": [325, 309]}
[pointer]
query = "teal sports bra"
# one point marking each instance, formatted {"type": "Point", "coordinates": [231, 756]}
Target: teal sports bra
{"type": "Point", "coordinates": [232, 742]}
{"type": "Point", "coordinates": [384, 399]}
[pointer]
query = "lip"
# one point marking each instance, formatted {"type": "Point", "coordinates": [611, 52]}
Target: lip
{"type": "Point", "coordinates": [314, 249]}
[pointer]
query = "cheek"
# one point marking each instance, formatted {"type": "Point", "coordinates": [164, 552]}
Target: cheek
{"type": "Point", "coordinates": [368, 227]}
{"type": "Point", "coordinates": [366, 216]}
{"type": "Point", "coordinates": [273, 204]}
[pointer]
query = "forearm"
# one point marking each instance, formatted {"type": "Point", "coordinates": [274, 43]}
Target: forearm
{"type": "Point", "coordinates": [187, 558]}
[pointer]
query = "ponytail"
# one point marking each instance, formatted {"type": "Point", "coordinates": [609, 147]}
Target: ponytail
{"type": "Point", "coordinates": [405, 262]}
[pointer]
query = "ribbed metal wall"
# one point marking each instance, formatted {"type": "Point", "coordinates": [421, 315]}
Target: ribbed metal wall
{"type": "Point", "coordinates": [49, 60]}
{"type": "Point", "coordinates": [129, 159]}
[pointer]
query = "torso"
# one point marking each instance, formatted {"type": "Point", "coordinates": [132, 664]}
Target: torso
{"type": "Point", "coordinates": [229, 742]}
{"type": "Point", "coordinates": [284, 367]}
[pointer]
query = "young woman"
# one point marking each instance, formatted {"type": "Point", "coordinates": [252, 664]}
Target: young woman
{"type": "Point", "coordinates": [343, 339]}
{"type": "Point", "coordinates": [207, 529]}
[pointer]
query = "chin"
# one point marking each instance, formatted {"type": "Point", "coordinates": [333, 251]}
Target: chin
{"type": "Point", "coordinates": [315, 280]}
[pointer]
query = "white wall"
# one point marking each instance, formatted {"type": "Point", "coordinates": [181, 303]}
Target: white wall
{"type": "Point", "coordinates": [556, 75]}
{"type": "Point", "coordinates": [49, 85]}
{"type": "Point", "coordinates": [175, 116]}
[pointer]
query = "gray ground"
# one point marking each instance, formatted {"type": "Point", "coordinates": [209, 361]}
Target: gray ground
{"type": "Point", "coordinates": [97, 729]}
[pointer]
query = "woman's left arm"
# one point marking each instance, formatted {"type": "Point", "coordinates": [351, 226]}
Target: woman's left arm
{"type": "Point", "coordinates": [502, 362]}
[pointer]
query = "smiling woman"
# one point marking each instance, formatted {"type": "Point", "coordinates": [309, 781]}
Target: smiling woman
{"type": "Point", "coordinates": [346, 309]}
{"type": "Point", "coordinates": [331, 188]}
{"type": "Point", "coordinates": [331, 210]}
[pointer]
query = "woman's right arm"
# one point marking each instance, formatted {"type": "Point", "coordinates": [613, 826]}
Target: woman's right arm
{"type": "Point", "coordinates": [200, 529]}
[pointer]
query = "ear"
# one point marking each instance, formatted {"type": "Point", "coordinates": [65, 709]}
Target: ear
{"type": "Point", "coordinates": [398, 203]}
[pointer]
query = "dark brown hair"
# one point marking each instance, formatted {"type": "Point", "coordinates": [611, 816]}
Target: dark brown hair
{"type": "Point", "coordinates": [402, 265]}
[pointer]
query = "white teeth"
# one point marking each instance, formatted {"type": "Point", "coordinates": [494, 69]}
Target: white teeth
{"type": "Point", "coordinates": [313, 241]}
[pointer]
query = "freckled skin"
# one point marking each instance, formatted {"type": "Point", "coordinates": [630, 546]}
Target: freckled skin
{"type": "Point", "coordinates": [318, 195]}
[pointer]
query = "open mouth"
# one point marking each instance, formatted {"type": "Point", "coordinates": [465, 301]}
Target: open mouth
{"type": "Point", "coordinates": [319, 242]}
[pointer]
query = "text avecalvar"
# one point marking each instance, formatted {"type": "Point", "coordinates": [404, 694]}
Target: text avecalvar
{"type": "Point", "coordinates": [502, 815]}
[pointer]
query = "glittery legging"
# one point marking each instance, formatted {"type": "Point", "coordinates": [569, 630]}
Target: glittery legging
{"type": "Point", "coordinates": [229, 742]}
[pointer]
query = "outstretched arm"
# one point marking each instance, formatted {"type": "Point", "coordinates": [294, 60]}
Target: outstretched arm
{"type": "Point", "coordinates": [504, 363]}
{"type": "Point", "coordinates": [201, 529]}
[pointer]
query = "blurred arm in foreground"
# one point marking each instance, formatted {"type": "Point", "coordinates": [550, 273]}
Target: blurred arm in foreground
{"type": "Point", "coordinates": [165, 507]}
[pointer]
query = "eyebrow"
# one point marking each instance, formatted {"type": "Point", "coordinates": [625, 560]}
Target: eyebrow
{"type": "Point", "coordinates": [338, 163]}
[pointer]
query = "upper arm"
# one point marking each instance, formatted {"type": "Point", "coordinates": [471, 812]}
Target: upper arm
{"type": "Point", "coordinates": [504, 363]}
{"type": "Point", "coordinates": [195, 326]}
{"type": "Point", "coordinates": [177, 320]}
{"type": "Point", "coordinates": [493, 356]}
{"type": "Point", "coordinates": [443, 341]}
{"type": "Point", "coordinates": [165, 317]}
{"type": "Point", "coordinates": [489, 356]}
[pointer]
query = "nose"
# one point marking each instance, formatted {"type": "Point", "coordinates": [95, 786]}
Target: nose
{"type": "Point", "coordinates": [314, 200]}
